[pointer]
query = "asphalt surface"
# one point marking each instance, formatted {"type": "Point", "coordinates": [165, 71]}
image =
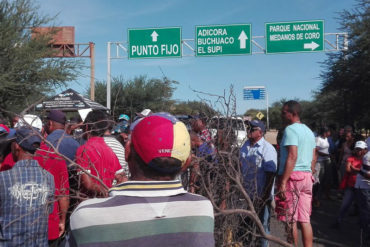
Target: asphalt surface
{"type": "Point", "coordinates": [322, 219]}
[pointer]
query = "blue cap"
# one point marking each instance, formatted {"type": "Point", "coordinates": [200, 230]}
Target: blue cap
{"type": "Point", "coordinates": [11, 133]}
{"type": "Point", "coordinates": [28, 138]}
{"type": "Point", "coordinates": [259, 124]}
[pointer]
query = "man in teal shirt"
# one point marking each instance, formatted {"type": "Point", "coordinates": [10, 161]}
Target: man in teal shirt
{"type": "Point", "coordinates": [297, 156]}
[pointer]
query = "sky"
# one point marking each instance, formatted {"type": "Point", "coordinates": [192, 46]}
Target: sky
{"type": "Point", "coordinates": [293, 75]}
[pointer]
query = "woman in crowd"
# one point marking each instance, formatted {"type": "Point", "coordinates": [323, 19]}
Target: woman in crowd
{"type": "Point", "coordinates": [353, 166]}
{"type": "Point", "coordinates": [345, 152]}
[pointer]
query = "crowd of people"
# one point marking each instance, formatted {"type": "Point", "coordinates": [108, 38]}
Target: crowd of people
{"type": "Point", "coordinates": [100, 182]}
{"type": "Point", "coordinates": [309, 166]}
{"type": "Point", "coordinates": [48, 172]}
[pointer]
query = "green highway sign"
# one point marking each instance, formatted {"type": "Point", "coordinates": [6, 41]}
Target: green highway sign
{"type": "Point", "coordinates": [298, 36]}
{"type": "Point", "coordinates": [154, 42]}
{"type": "Point", "coordinates": [219, 40]}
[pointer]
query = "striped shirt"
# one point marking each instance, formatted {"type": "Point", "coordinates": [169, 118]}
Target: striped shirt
{"type": "Point", "coordinates": [119, 150]}
{"type": "Point", "coordinates": [144, 213]}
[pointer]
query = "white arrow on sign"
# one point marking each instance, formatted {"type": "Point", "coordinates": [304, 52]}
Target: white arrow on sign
{"type": "Point", "coordinates": [243, 40]}
{"type": "Point", "coordinates": [154, 36]}
{"type": "Point", "coordinates": [311, 45]}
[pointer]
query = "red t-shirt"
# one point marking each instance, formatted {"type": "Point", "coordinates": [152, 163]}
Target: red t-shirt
{"type": "Point", "coordinates": [8, 163]}
{"type": "Point", "coordinates": [57, 166]}
{"type": "Point", "coordinates": [99, 159]}
{"type": "Point", "coordinates": [357, 163]}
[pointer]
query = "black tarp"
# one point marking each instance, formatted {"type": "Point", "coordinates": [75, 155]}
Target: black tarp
{"type": "Point", "coordinates": [70, 100]}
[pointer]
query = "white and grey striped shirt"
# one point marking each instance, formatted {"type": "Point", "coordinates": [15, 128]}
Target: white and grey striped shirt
{"type": "Point", "coordinates": [119, 150]}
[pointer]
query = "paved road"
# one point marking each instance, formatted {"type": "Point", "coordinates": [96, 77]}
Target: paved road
{"type": "Point", "coordinates": [325, 236]}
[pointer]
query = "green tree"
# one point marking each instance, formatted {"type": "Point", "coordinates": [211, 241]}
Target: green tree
{"type": "Point", "coordinates": [253, 113]}
{"type": "Point", "coordinates": [275, 114]}
{"type": "Point", "coordinates": [135, 95]}
{"type": "Point", "coordinates": [193, 108]}
{"type": "Point", "coordinates": [25, 72]}
{"type": "Point", "coordinates": [344, 94]}
{"type": "Point", "coordinates": [311, 113]}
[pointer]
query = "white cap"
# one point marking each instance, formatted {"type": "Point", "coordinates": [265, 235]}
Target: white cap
{"type": "Point", "coordinates": [361, 144]}
{"type": "Point", "coordinates": [145, 113]}
{"type": "Point", "coordinates": [30, 119]}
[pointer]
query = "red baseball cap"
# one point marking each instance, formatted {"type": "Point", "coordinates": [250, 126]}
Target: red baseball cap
{"type": "Point", "coordinates": [160, 135]}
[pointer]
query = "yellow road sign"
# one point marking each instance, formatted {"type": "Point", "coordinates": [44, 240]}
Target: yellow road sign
{"type": "Point", "coordinates": [260, 115]}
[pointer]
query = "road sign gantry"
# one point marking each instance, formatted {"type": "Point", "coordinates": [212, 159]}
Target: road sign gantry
{"type": "Point", "coordinates": [167, 43]}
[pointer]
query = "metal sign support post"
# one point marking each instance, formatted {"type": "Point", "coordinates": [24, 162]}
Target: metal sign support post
{"type": "Point", "coordinates": [108, 76]}
{"type": "Point", "coordinates": [92, 71]}
{"type": "Point", "coordinates": [267, 110]}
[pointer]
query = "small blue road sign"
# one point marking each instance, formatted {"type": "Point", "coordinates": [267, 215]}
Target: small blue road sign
{"type": "Point", "coordinates": [254, 93]}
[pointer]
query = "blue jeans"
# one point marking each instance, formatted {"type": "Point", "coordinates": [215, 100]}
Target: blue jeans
{"type": "Point", "coordinates": [348, 198]}
{"type": "Point", "coordinates": [363, 200]}
{"type": "Point", "coordinates": [265, 220]}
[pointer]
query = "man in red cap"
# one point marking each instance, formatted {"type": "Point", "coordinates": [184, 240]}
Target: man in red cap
{"type": "Point", "coordinates": [153, 209]}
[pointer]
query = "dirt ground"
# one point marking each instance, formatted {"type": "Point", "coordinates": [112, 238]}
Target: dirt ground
{"type": "Point", "coordinates": [270, 136]}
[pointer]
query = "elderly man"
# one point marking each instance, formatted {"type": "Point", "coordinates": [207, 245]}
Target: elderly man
{"type": "Point", "coordinates": [259, 164]}
{"type": "Point", "coordinates": [297, 160]}
{"type": "Point", "coordinates": [153, 209]}
{"type": "Point", "coordinates": [26, 195]}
